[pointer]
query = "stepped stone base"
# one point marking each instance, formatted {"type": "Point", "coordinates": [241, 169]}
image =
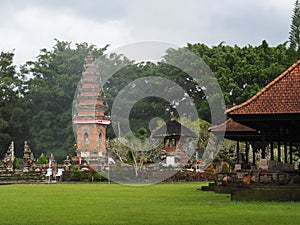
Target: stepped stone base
{"type": "Point", "coordinates": [258, 185]}
{"type": "Point", "coordinates": [274, 193]}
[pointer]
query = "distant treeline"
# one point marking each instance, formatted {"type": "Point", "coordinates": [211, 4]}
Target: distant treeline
{"type": "Point", "coordinates": [36, 100]}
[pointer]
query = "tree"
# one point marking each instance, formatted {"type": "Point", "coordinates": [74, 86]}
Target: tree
{"type": "Point", "coordinates": [42, 159]}
{"type": "Point", "coordinates": [135, 152]}
{"type": "Point", "coordinates": [294, 37]}
{"type": "Point", "coordinates": [240, 71]}
{"type": "Point", "coordinates": [10, 103]}
{"type": "Point", "coordinates": [243, 71]}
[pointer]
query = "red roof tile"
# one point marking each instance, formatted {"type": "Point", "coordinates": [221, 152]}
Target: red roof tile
{"type": "Point", "coordinates": [231, 126]}
{"type": "Point", "coordinates": [280, 96]}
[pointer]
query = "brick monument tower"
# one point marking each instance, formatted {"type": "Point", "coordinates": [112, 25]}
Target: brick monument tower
{"type": "Point", "coordinates": [89, 106]}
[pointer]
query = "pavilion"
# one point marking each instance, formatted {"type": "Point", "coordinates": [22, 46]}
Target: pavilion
{"type": "Point", "coordinates": [239, 133]}
{"type": "Point", "coordinates": [269, 120]}
{"type": "Point", "coordinates": [174, 135]}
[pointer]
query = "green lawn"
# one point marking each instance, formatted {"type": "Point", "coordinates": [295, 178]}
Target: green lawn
{"type": "Point", "coordinates": [179, 203]}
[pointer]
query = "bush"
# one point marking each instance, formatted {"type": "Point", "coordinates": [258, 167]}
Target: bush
{"type": "Point", "coordinates": [225, 168]}
{"type": "Point", "coordinates": [42, 159]}
{"type": "Point", "coordinates": [210, 169]}
{"type": "Point", "coordinates": [76, 174]}
{"type": "Point", "coordinates": [191, 176]}
{"type": "Point", "coordinates": [94, 176]}
{"type": "Point", "coordinates": [18, 163]}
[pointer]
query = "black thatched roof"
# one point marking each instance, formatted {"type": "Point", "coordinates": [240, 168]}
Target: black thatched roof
{"type": "Point", "coordinates": [174, 128]}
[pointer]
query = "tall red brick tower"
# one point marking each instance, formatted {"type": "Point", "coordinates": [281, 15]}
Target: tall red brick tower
{"type": "Point", "coordinates": [89, 107]}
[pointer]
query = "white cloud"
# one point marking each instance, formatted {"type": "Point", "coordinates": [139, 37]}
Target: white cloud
{"type": "Point", "coordinates": [233, 21]}
{"type": "Point", "coordinates": [35, 28]}
{"type": "Point", "coordinates": [28, 26]}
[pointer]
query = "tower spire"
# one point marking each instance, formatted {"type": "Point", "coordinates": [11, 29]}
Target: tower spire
{"type": "Point", "coordinates": [89, 110]}
{"type": "Point", "coordinates": [89, 60]}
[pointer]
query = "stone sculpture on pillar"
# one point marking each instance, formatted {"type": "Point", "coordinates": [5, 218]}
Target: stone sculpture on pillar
{"type": "Point", "coordinates": [8, 160]}
{"type": "Point", "coordinates": [27, 157]}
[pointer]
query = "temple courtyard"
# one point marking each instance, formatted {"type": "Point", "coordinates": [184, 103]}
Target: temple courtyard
{"type": "Point", "coordinates": [164, 203]}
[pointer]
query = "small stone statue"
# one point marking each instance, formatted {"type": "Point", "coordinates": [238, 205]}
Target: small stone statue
{"type": "Point", "coordinates": [27, 157]}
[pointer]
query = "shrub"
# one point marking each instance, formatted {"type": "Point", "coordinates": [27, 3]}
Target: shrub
{"type": "Point", "coordinates": [94, 176]}
{"type": "Point", "coordinates": [76, 174]}
{"type": "Point", "coordinates": [210, 169]}
{"type": "Point", "coordinates": [225, 168]}
{"type": "Point", "coordinates": [18, 163]}
{"type": "Point", "coordinates": [42, 159]}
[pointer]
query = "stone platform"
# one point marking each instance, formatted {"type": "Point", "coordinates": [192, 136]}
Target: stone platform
{"type": "Point", "coordinates": [267, 193]}
{"type": "Point", "coordinates": [258, 185]}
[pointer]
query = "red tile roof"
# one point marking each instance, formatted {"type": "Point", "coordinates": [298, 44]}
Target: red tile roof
{"type": "Point", "coordinates": [280, 96]}
{"type": "Point", "coordinates": [231, 126]}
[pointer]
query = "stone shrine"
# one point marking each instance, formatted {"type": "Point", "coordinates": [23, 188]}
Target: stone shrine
{"type": "Point", "coordinates": [8, 160]}
{"type": "Point", "coordinates": [27, 157]}
{"type": "Point", "coordinates": [89, 107]}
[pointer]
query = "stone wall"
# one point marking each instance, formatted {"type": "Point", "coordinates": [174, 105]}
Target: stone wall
{"type": "Point", "coordinates": [22, 177]}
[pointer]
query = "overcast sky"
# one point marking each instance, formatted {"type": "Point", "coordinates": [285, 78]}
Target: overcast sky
{"type": "Point", "coordinates": [30, 25]}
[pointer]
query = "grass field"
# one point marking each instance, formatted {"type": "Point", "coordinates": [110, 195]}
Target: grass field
{"type": "Point", "coordinates": [179, 203]}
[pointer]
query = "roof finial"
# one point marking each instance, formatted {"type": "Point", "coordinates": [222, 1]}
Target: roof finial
{"type": "Point", "coordinates": [89, 59]}
{"type": "Point", "coordinates": [172, 117]}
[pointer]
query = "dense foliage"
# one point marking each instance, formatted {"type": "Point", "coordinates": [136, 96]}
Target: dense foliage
{"type": "Point", "coordinates": [243, 71]}
{"type": "Point", "coordinates": [11, 110]}
{"type": "Point", "coordinates": [36, 102]}
{"type": "Point", "coordinates": [294, 37]}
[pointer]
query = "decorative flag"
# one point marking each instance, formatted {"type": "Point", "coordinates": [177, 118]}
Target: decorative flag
{"type": "Point", "coordinates": [110, 159]}
{"type": "Point", "coordinates": [79, 158]}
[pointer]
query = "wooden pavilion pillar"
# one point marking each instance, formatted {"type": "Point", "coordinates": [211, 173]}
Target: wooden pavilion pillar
{"type": "Point", "coordinates": [237, 152]}
{"type": "Point", "coordinates": [285, 152]}
{"type": "Point", "coordinates": [253, 153]}
{"type": "Point", "coordinates": [272, 150]}
{"type": "Point", "coordinates": [291, 153]}
{"type": "Point", "coordinates": [263, 152]}
{"type": "Point", "coordinates": [247, 152]}
{"type": "Point", "coordinates": [263, 146]}
{"type": "Point", "coordinates": [279, 152]}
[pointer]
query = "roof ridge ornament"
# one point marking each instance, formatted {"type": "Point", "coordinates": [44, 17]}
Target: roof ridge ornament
{"type": "Point", "coordinates": [172, 117]}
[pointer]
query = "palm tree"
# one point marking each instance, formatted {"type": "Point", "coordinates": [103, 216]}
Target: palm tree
{"type": "Point", "coordinates": [294, 37]}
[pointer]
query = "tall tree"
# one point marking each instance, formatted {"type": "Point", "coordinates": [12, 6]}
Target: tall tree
{"type": "Point", "coordinates": [10, 99]}
{"type": "Point", "coordinates": [294, 37]}
{"type": "Point", "coordinates": [243, 71]}
{"type": "Point", "coordinates": [135, 152]}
